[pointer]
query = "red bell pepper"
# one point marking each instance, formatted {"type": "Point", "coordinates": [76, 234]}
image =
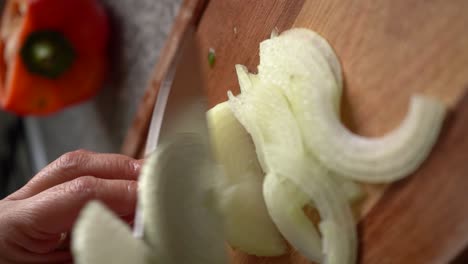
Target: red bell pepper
{"type": "Point", "coordinates": [53, 53]}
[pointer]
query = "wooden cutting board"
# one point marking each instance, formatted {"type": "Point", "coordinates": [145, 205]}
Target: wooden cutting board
{"type": "Point", "coordinates": [389, 50]}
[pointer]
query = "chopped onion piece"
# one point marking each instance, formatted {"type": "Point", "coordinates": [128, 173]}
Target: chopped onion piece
{"type": "Point", "coordinates": [233, 146]}
{"type": "Point", "coordinates": [351, 189]}
{"type": "Point", "coordinates": [243, 78]}
{"type": "Point", "coordinates": [316, 41]}
{"type": "Point", "coordinates": [100, 237]}
{"type": "Point", "coordinates": [285, 204]}
{"type": "Point", "coordinates": [178, 198]}
{"type": "Point", "coordinates": [297, 60]}
{"type": "Point", "coordinates": [247, 222]}
{"type": "Point", "coordinates": [337, 225]}
{"type": "Point", "coordinates": [265, 113]}
{"type": "Point", "coordinates": [376, 160]}
{"type": "Point", "coordinates": [304, 67]}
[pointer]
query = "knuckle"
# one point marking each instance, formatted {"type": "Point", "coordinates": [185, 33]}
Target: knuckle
{"type": "Point", "coordinates": [72, 160]}
{"type": "Point", "coordinates": [85, 185]}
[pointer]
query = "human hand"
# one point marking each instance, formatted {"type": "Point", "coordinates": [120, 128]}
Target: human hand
{"type": "Point", "coordinates": [34, 219]}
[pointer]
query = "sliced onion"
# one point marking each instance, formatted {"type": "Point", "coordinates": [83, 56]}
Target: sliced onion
{"type": "Point", "coordinates": [99, 237]}
{"type": "Point", "coordinates": [337, 226]}
{"type": "Point", "coordinates": [178, 198]}
{"type": "Point", "coordinates": [296, 60]}
{"type": "Point", "coordinates": [306, 70]}
{"type": "Point", "coordinates": [245, 83]}
{"type": "Point", "coordinates": [247, 222]}
{"type": "Point", "coordinates": [318, 42]}
{"type": "Point", "coordinates": [233, 146]}
{"type": "Point", "coordinates": [383, 159]}
{"type": "Point", "coordinates": [265, 113]}
{"type": "Point", "coordinates": [285, 204]}
{"type": "Point", "coordinates": [351, 189]}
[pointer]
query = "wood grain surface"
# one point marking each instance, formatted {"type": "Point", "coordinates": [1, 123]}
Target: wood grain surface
{"type": "Point", "coordinates": [424, 218]}
{"type": "Point", "coordinates": [234, 30]}
{"type": "Point", "coordinates": [389, 50]}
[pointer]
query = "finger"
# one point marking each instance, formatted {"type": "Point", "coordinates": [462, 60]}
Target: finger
{"type": "Point", "coordinates": [79, 163]}
{"type": "Point", "coordinates": [20, 255]}
{"type": "Point", "coordinates": [14, 223]}
{"type": "Point", "coordinates": [38, 246]}
{"type": "Point", "coordinates": [55, 210]}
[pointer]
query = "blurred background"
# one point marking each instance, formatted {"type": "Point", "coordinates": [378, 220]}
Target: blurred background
{"type": "Point", "coordinates": [139, 29]}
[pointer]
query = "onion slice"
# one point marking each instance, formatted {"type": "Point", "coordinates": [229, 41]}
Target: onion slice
{"type": "Point", "coordinates": [337, 225]}
{"type": "Point", "coordinates": [285, 202]}
{"type": "Point", "coordinates": [178, 198]}
{"type": "Point", "coordinates": [246, 220]}
{"type": "Point", "coordinates": [266, 115]}
{"type": "Point", "coordinates": [296, 60]}
{"type": "Point", "coordinates": [302, 64]}
{"type": "Point", "coordinates": [233, 146]}
{"type": "Point", "coordinates": [99, 236]}
{"type": "Point", "coordinates": [376, 160]}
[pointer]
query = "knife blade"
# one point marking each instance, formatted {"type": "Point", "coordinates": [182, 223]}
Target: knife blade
{"type": "Point", "coordinates": [180, 106]}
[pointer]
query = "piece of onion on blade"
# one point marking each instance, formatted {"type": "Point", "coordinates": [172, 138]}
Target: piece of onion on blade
{"type": "Point", "coordinates": [248, 225]}
{"type": "Point", "coordinates": [100, 237]}
{"type": "Point", "coordinates": [232, 145]}
{"type": "Point", "coordinates": [247, 222]}
{"type": "Point", "coordinates": [177, 195]}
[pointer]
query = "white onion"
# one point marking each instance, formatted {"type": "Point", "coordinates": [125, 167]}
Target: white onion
{"type": "Point", "coordinates": [178, 198]}
{"type": "Point", "coordinates": [100, 237]}
{"type": "Point", "coordinates": [246, 220]}
{"type": "Point", "coordinates": [304, 67]}
{"type": "Point", "coordinates": [265, 113]}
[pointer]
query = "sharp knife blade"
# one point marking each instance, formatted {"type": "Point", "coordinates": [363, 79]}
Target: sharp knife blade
{"type": "Point", "coordinates": [180, 106]}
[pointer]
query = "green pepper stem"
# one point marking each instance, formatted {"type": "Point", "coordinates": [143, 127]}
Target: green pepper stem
{"type": "Point", "coordinates": [47, 53]}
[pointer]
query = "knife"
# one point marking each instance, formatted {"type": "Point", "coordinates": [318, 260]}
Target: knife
{"type": "Point", "coordinates": [181, 104]}
{"type": "Point", "coordinates": [186, 214]}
